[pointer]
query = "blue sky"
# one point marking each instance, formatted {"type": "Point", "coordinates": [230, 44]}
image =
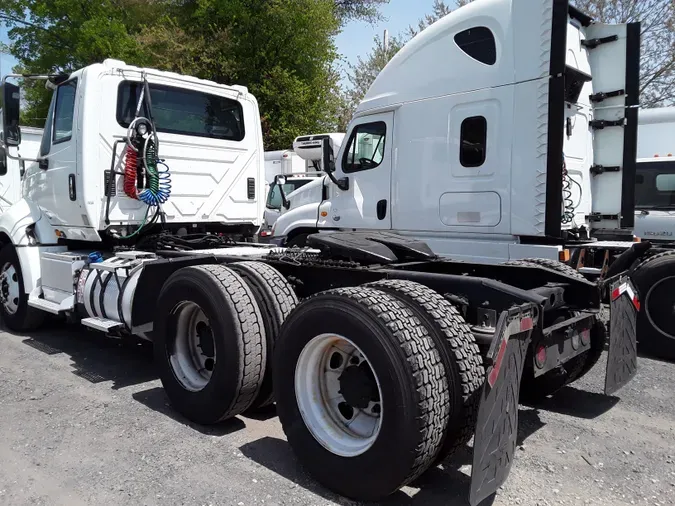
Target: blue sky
{"type": "Point", "coordinates": [356, 39]}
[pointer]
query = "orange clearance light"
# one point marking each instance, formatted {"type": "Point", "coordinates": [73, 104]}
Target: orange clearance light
{"type": "Point", "coordinates": [637, 239]}
{"type": "Point", "coordinates": [324, 214]}
{"type": "Point", "coordinates": [656, 156]}
{"type": "Point", "coordinates": [564, 255]}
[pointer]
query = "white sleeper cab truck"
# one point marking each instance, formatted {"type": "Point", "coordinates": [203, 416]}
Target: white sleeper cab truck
{"type": "Point", "coordinates": [382, 357]}
{"type": "Point", "coordinates": [506, 153]}
{"type": "Point", "coordinates": [12, 171]}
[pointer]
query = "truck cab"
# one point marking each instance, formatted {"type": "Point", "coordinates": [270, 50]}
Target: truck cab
{"type": "Point", "coordinates": [520, 136]}
{"type": "Point", "coordinates": [655, 179]}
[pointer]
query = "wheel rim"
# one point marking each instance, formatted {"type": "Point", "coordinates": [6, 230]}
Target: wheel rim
{"type": "Point", "coordinates": [193, 352]}
{"type": "Point", "coordinates": [9, 288]}
{"type": "Point", "coordinates": [660, 306]}
{"type": "Point", "coordinates": [339, 395]}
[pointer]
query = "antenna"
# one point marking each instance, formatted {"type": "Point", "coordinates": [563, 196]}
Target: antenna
{"type": "Point", "coordinates": [386, 41]}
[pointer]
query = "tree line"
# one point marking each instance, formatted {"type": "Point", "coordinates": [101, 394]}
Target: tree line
{"type": "Point", "coordinates": [284, 51]}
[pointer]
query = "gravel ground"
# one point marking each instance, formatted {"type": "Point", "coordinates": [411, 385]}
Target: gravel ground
{"type": "Point", "coordinates": [84, 421]}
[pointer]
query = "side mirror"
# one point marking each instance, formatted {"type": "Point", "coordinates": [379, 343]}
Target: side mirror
{"type": "Point", "coordinates": [3, 161]}
{"type": "Point", "coordinates": [328, 160]}
{"type": "Point", "coordinates": [11, 107]}
{"type": "Point", "coordinates": [328, 165]}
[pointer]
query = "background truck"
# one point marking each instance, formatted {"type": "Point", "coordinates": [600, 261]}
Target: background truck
{"type": "Point", "coordinates": [284, 161]}
{"type": "Point", "coordinates": [300, 194]}
{"type": "Point", "coordinates": [395, 357]}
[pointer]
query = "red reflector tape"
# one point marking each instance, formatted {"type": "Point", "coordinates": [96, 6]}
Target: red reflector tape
{"type": "Point", "coordinates": [625, 288]}
{"type": "Point", "coordinates": [494, 373]}
{"type": "Point", "coordinates": [526, 324]}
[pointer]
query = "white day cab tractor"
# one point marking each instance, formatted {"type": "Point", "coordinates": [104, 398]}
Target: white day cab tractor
{"type": "Point", "coordinates": [467, 161]}
{"type": "Point", "coordinates": [382, 357]}
{"type": "Point", "coordinates": [298, 197]}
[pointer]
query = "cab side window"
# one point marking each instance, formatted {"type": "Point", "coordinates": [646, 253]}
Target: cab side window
{"type": "Point", "coordinates": [473, 142]}
{"type": "Point", "coordinates": [64, 112]}
{"type": "Point", "coordinates": [46, 142]}
{"type": "Point", "coordinates": [366, 147]}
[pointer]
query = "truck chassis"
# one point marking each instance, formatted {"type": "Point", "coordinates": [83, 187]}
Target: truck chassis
{"type": "Point", "coordinates": [392, 360]}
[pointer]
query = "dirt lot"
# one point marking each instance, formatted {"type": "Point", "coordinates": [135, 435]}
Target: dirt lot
{"type": "Point", "coordinates": [85, 421]}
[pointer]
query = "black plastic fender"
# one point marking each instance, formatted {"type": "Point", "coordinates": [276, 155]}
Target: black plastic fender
{"type": "Point", "coordinates": [497, 426]}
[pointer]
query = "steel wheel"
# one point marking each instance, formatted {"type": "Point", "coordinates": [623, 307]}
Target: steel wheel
{"type": "Point", "coordinates": [659, 306]}
{"type": "Point", "coordinates": [339, 395]}
{"type": "Point", "coordinates": [9, 288]}
{"type": "Point", "coordinates": [193, 355]}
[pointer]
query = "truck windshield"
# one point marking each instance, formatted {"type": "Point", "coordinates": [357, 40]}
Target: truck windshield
{"type": "Point", "coordinates": [655, 185]}
{"type": "Point", "coordinates": [274, 200]}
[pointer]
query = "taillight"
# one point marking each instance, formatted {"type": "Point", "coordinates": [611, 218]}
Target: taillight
{"type": "Point", "coordinates": [585, 337]}
{"type": "Point", "coordinates": [540, 356]}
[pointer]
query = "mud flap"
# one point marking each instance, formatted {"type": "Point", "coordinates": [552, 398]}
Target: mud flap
{"type": "Point", "coordinates": [497, 426]}
{"type": "Point", "coordinates": [622, 355]}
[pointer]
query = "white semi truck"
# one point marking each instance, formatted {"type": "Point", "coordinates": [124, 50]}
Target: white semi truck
{"type": "Point", "coordinates": [394, 357]}
{"type": "Point", "coordinates": [300, 193]}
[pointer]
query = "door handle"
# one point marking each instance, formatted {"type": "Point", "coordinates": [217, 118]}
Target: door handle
{"type": "Point", "coordinates": [43, 163]}
{"type": "Point", "coordinates": [381, 210]}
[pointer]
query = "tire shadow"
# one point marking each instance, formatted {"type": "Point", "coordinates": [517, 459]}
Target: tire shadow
{"type": "Point", "coordinates": [95, 357]}
{"type": "Point", "coordinates": [156, 400]}
{"type": "Point", "coordinates": [447, 484]}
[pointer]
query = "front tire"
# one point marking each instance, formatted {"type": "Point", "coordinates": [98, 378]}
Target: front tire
{"type": "Point", "coordinates": [356, 355]}
{"type": "Point", "coordinates": [209, 343]}
{"type": "Point", "coordinates": [16, 313]}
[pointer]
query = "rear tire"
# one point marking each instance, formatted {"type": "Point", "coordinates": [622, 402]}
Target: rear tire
{"type": "Point", "coordinates": [407, 380]}
{"type": "Point", "coordinates": [459, 354]}
{"type": "Point", "coordinates": [16, 313]}
{"type": "Point", "coordinates": [209, 343]}
{"type": "Point", "coordinates": [555, 265]}
{"type": "Point", "coordinates": [655, 280]}
{"type": "Point", "coordinates": [276, 299]}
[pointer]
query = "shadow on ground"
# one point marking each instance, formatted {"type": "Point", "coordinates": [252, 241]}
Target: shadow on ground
{"type": "Point", "coordinates": [156, 399]}
{"type": "Point", "coordinates": [572, 401]}
{"type": "Point", "coordinates": [94, 356]}
{"type": "Point", "coordinates": [445, 485]}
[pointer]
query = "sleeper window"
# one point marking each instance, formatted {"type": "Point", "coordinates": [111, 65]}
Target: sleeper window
{"type": "Point", "coordinates": [473, 142]}
{"type": "Point", "coordinates": [366, 147]}
{"type": "Point", "coordinates": [479, 43]}
{"type": "Point", "coordinates": [64, 111]}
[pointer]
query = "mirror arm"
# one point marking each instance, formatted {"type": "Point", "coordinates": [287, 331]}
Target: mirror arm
{"type": "Point", "coordinates": [343, 183]}
{"type": "Point", "coordinates": [19, 157]}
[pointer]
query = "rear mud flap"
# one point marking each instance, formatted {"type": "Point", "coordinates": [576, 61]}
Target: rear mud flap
{"type": "Point", "coordinates": [622, 355]}
{"type": "Point", "coordinates": [497, 426]}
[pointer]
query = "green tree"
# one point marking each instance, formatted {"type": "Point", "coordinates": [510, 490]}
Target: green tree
{"type": "Point", "coordinates": [657, 72]}
{"type": "Point", "coordinates": [282, 50]}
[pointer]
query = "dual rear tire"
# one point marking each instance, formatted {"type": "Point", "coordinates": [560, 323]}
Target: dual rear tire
{"type": "Point", "coordinates": [213, 335]}
{"type": "Point", "coordinates": [378, 381]}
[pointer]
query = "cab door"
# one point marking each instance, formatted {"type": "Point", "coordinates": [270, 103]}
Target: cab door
{"type": "Point", "coordinates": [365, 164]}
{"type": "Point", "coordinates": [53, 183]}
